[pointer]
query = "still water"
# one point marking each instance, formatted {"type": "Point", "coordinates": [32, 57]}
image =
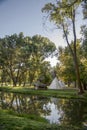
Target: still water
{"type": "Point", "coordinates": [55, 110]}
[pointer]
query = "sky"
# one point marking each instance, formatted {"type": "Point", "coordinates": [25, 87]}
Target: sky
{"type": "Point", "coordinates": [25, 16]}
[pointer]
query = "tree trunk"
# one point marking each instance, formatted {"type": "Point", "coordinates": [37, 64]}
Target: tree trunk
{"type": "Point", "coordinates": [14, 82]}
{"type": "Point", "coordinates": [75, 55]}
{"type": "Point", "coordinates": [78, 75]}
{"type": "Point", "coordinates": [85, 86]}
{"type": "Point", "coordinates": [75, 84]}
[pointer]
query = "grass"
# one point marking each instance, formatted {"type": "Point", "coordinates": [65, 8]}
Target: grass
{"type": "Point", "coordinates": [10, 121]}
{"type": "Point", "coordinates": [15, 122]}
{"type": "Point", "coordinates": [64, 93]}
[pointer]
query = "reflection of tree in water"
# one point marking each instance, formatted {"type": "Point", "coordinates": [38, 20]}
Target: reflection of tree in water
{"type": "Point", "coordinates": [68, 112]}
{"type": "Point", "coordinates": [73, 112]}
{"type": "Point", "coordinates": [54, 111]}
{"type": "Point", "coordinates": [23, 103]}
{"type": "Point", "coordinates": [4, 99]}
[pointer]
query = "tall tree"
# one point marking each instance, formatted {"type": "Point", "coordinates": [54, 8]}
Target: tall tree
{"type": "Point", "coordinates": [63, 14]}
{"type": "Point", "coordinates": [84, 58]}
{"type": "Point", "coordinates": [22, 58]}
{"type": "Point", "coordinates": [10, 52]}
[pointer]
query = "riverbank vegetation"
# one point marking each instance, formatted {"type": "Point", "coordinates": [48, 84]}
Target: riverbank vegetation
{"type": "Point", "coordinates": [13, 121]}
{"type": "Point", "coordinates": [61, 93]}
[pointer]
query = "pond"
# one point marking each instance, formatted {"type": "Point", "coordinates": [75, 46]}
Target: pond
{"type": "Point", "coordinates": [55, 110]}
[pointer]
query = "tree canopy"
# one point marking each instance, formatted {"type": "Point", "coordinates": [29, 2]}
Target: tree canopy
{"type": "Point", "coordinates": [22, 59]}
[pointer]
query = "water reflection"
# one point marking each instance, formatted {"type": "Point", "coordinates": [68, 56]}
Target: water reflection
{"type": "Point", "coordinates": [60, 111]}
{"type": "Point", "coordinates": [55, 114]}
{"type": "Point", "coordinates": [22, 103]}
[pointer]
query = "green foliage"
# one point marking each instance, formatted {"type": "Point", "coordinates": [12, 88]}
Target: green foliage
{"type": "Point", "coordinates": [13, 122]}
{"type": "Point", "coordinates": [83, 65]}
{"type": "Point", "coordinates": [84, 43]}
{"type": "Point", "coordinates": [65, 69]}
{"type": "Point", "coordinates": [85, 9]}
{"type": "Point", "coordinates": [23, 58]}
{"type": "Point", "coordinates": [63, 14]}
{"type": "Point", "coordinates": [65, 93]}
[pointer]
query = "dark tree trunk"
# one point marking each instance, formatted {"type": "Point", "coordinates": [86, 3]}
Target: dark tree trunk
{"type": "Point", "coordinates": [85, 86]}
{"type": "Point", "coordinates": [75, 84]}
{"type": "Point", "coordinates": [14, 83]}
{"type": "Point", "coordinates": [75, 55]}
{"type": "Point", "coordinates": [78, 76]}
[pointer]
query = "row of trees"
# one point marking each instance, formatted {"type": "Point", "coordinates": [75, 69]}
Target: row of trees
{"type": "Point", "coordinates": [22, 59]}
{"type": "Point", "coordinates": [63, 14]}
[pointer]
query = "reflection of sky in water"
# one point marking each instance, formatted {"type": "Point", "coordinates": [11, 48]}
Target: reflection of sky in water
{"type": "Point", "coordinates": [55, 110]}
{"type": "Point", "coordinates": [54, 115]}
{"type": "Point", "coordinates": [16, 102]}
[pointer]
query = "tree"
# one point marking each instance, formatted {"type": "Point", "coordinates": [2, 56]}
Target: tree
{"type": "Point", "coordinates": [84, 58]}
{"type": "Point", "coordinates": [84, 5]}
{"type": "Point", "coordinates": [22, 58]}
{"type": "Point", "coordinates": [10, 52]}
{"type": "Point", "coordinates": [63, 14]}
{"type": "Point", "coordinates": [65, 69]}
{"type": "Point", "coordinates": [42, 48]}
{"type": "Point", "coordinates": [84, 41]}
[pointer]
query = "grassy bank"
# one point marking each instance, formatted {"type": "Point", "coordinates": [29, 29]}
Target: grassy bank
{"type": "Point", "coordinates": [64, 93]}
{"type": "Point", "coordinates": [11, 121]}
